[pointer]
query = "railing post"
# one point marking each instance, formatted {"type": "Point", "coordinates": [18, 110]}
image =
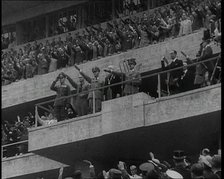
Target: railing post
{"type": "Point", "coordinates": [36, 108]}
{"type": "Point", "coordinates": [94, 102]}
{"type": "Point", "coordinates": [159, 86]}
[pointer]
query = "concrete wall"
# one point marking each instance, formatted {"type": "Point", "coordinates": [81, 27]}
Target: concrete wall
{"type": "Point", "coordinates": [127, 113]}
{"type": "Point", "coordinates": [27, 164]}
{"type": "Point", "coordinates": [39, 86]}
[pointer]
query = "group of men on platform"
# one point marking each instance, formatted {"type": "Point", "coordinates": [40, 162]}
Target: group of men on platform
{"type": "Point", "coordinates": [92, 91]}
{"type": "Point", "coordinates": [91, 94]}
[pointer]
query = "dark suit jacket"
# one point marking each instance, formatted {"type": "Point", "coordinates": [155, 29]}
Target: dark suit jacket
{"type": "Point", "coordinates": [206, 54]}
{"type": "Point", "coordinates": [109, 80]}
{"type": "Point", "coordinates": [174, 64]}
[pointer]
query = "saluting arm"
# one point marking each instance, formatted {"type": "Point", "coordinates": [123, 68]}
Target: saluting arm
{"type": "Point", "coordinates": [87, 78]}
{"type": "Point", "coordinates": [73, 83]}
{"type": "Point", "coordinates": [53, 87]}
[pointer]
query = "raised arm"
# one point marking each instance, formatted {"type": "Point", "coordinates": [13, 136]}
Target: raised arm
{"type": "Point", "coordinates": [38, 117]}
{"type": "Point", "coordinates": [73, 83]}
{"type": "Point", "coordinates": [115, 72]}
{"type": "Point", "coordinates": [87, 78]}
{"type": "Point", "coordinates": [53, 85]}
{"type": "Point", "coordinates": [60, 173]}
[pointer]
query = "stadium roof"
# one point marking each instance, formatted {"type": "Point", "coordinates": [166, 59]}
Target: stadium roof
{"type": "Point", "coordinates": [14, 11]}
{"type": "Point", "coordinates": [9, 7]}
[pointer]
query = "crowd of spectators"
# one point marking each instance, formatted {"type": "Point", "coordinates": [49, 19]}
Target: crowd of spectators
{"type": "Point", "coordinates": [16, 131]}
{"type": "Point", "coordinates": [120, 35]}
{"type": "Point", "coordinates": [207, 166]}
{"type": "Point", "coordinates": [8, 42]}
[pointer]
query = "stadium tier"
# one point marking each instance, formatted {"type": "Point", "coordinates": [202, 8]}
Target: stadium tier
{"type": "Point", "coordinates": [115, 89]}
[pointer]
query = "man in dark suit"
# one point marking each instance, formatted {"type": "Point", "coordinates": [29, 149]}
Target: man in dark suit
{"type": "Point", "coordinates": [112, 78]}
{"type": "Point", "coordinates": [174, 77]}
{"type": "Point", "coordinates": [81, 102]}
{"type": "Point", "coordinates": [181, 166]}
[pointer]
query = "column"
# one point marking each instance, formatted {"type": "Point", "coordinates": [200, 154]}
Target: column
{"type": "Point", "coordinates": [47, 25]}
{"type": "Point", "coordinates": [19, 33]}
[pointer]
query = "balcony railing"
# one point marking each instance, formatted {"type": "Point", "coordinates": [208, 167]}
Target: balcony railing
{"type": "Point", "coordinates": [18, 148]}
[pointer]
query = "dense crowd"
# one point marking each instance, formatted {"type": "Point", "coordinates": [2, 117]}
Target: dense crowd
{"type": "Point", "coordinates": [8, 42]}
{"type": "Point", "coordinates": [119, 35]}
{"type": "Point", "coordinates": [16, 131]}
{"type": "Point", "coordinates": [207, 167]}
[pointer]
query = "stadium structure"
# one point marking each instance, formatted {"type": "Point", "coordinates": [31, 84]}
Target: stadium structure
{"type": "Point", "coordinates": [127, 128]}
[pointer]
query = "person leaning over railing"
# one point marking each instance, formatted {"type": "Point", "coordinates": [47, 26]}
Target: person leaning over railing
{"type": "Point", "coordinates": [45, 120]}
{"type": "Point", "coordinates": [62, 90]}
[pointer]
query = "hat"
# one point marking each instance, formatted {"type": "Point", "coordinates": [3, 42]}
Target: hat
{"type": "Point", "coordinates": [206, 35]}
{"type": "Point", "coordinates": [111, 67]}
{"type": "Point", "coordinates": [173, 174]}
{"type": "Point", "coordinates": [133, 167]}
{"type": "Point", "coordinates": [178, 155]}
{"type": "Point", "coordinates": [206, 160]}
{"type": "Point", "coordinates": [216, 161]}
{"type": "Point", "coordinates": [94, 69]}
{"type": "Point", "coordinates": [146, 167]}
{"type": "Point", "coordinates": [131, 61]}
{"type": "Point", "coordinates": [115, 173]}
{"type": "Point", "coordinates": [77, 174]}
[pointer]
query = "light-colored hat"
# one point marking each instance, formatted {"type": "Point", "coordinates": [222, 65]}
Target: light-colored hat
{"type": "Point", "coordinates": [173, 174]}
{"type": "Point", "coordinates": [133, 167]}
{"type": "Point", "coordinates": [147, 167]}
{"type": "Point", "coordinates": [206, 160]}
{"type": "Point", "coordinates": [110, 67]}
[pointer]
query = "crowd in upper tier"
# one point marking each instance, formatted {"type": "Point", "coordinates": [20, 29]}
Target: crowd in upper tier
{"type": "Point", "coordinates": [120, 35]}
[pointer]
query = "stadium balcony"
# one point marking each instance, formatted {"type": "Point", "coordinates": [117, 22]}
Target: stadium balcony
{"type": "Point", "coordinates": [126, 122]}
{"type": "Point", "coordinates": [38, 87]}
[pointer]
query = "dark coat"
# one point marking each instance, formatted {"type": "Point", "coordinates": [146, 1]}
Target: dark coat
{"type": "Point", "coordinates": [176, 74]}
{"type": "Point", "coordinates": [111, 92]}
{"type": "Point", "coordinates": [61, 91]}
{"type": "Point", "coordinates": [206, 54]}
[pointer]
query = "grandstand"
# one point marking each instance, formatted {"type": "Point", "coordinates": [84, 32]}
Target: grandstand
{"type": "Point", "coordinates": [127, 127]}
